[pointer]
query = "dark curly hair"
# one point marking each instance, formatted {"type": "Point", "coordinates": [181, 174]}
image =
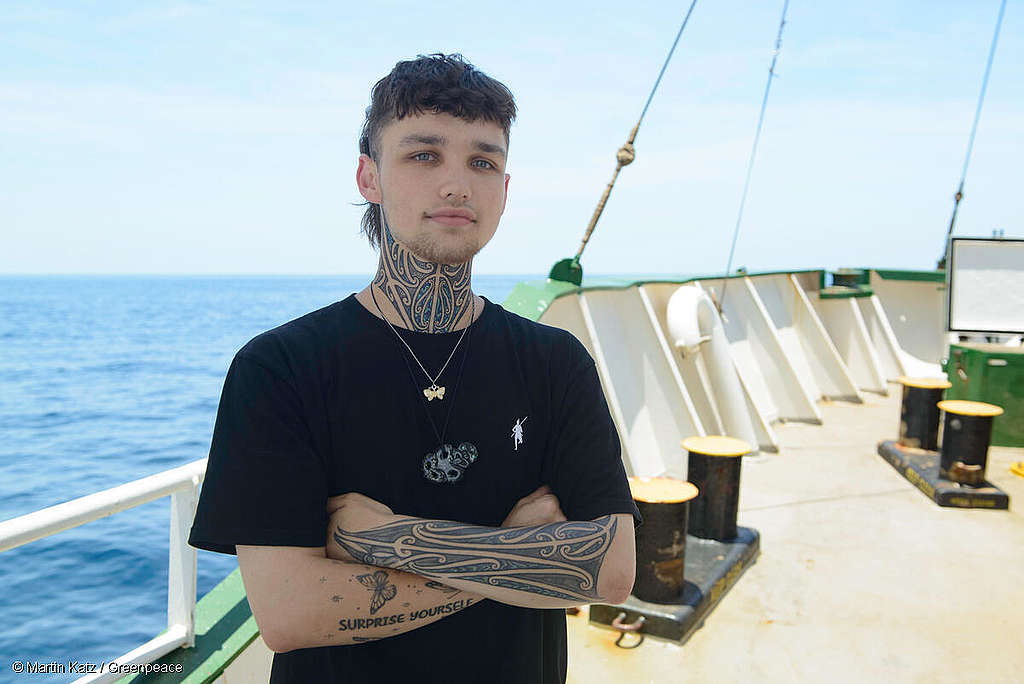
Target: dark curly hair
{"type": "Point", "coordinates": [435, 83]}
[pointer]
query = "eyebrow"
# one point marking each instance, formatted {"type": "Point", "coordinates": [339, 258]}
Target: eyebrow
{"type": "Point", "coordinates": [489, 148]}
{"type": "Point", "coordinates": [441, 141]}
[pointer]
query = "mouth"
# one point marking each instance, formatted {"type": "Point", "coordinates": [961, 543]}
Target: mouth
{"type": "Point", "coordinates": [452, 217]}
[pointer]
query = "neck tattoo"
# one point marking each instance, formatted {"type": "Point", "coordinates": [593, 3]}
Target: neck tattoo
{"type": "Point", "coordinates": [427, 296]}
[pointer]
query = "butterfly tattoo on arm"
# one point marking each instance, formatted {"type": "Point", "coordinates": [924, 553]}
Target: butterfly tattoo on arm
{"type": "Point", "coordinates": [382, 592]}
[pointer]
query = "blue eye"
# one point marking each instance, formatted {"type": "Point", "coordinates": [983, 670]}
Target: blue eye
{"type": "Point", "coordinates": [487, 164]}
{"type": "Point", "coordinates": [423, 156]}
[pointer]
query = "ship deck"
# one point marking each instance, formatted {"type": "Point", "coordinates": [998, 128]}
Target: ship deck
{"type": "Point", "coordinates": [861, 577]}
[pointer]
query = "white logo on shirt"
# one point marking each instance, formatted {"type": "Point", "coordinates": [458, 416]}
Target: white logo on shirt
{"type": "Point", "coordinates": [517, 433]}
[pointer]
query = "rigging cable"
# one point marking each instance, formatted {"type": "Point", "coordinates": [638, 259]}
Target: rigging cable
{"type": "Point", "coordinates": [753, 152]}
{"type": "Point", "coordinates": [626, 154]}
{"type": "Point", "coordinates": [974, 128]}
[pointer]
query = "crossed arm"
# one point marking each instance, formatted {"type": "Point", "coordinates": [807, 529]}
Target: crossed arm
{"type": "Point", "coordinates": [302, 599]}
{"type": "Point", "coordinates": [381, 574]}
{"type": "Point", "coordinates": [552, 565]}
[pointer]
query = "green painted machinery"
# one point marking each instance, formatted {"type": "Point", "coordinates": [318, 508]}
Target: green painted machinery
{"type": "Point", "coordinates": [994, 374]}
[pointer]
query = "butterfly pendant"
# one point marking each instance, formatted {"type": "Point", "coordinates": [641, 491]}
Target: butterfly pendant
{"type": "Point", "coordinates": [434, 392]}
{"type": "Point", "coordinates": [382, 591]}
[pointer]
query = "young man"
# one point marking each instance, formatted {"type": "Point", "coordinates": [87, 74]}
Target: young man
{"type": "Point", "coordinates": [416, 481]}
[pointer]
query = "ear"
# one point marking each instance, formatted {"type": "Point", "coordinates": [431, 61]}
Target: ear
{"type": "Point", "coordinates": [504, 200]}
{"type": "Point", "coordinates": [368, 180]}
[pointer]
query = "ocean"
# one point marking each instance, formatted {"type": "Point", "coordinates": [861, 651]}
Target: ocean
{"type": "Point", "coordinates": [103, 380]}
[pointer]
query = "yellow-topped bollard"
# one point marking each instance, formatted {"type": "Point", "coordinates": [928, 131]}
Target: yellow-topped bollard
{"type": "Point", "coordinates": [679, 578]}
{"type": "Point", "coordinates": [919, 412]}
{"type": "Point", "coordinates": [966, 434]}
{"type": "Point", "coordinates": [978, 409]}
{"type": "Point", "coordinates": [716, 445]}
{"type": "Point", "coordinates": [664, 503]}
{"type": "Point", "coordinates": [713, 466]}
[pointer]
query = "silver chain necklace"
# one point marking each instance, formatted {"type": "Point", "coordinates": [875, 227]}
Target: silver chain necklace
{"type": "Point", "coordinates": [434, 391]}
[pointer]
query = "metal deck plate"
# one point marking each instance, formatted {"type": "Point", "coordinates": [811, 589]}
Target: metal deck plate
{"type": "Point", "coordinates": [921, 468]}
{"type": "Point", "coordinates": [712, 567]}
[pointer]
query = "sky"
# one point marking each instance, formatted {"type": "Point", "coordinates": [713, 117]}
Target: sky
{"type": "Point", "coordinates": [220, 137]}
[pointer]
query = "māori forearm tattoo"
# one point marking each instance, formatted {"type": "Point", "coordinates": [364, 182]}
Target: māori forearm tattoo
{"type": "Point", "coordinates": [559, 560]}
{"type": "Point", "coordinates": [430, 297]}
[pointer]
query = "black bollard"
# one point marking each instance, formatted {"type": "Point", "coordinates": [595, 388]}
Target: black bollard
{"type": "Point", "coordinates": [966, 434]}
{"type": "Point", "coordinates": [661, 541]}
{"type": "Point", "coordinates": [714, 468]}
{"type": "Point", "coordinates": [919, 413]}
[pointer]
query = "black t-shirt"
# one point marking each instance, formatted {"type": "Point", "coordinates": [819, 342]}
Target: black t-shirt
{"type": "Point", "coordinates": [325, 404]}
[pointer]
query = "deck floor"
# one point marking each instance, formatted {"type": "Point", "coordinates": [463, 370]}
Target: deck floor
{"type": "Point", "coordinates": [861, 578]}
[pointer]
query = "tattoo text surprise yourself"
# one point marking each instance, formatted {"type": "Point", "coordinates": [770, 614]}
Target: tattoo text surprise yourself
{"type": "Point", "coordinates": [384, 620]}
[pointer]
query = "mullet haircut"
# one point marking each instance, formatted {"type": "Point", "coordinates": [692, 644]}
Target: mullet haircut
{"type": "Point", "coordinates": [437, 84]}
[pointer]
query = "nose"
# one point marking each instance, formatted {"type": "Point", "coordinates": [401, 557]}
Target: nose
{"type": "Point", "coordinates": [455, 187]}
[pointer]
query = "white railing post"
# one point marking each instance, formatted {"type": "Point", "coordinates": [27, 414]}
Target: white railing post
{"type": "Point", "coordinates": [182, 485]}
{"type": "Point", "coordinates": [181, 574]}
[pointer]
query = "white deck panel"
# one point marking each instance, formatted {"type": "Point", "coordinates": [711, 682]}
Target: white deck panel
{"type": "Point", "coordinates": [759, 355]}
{"type": "Point", "coordinates": [916, 311]}
{"type": "Point", "coordinates": [804, 337]}
{"type": "Point", "coordinates": [823, 358]}
{"type": "Point", "coordinates": [778, 298]}
{"type": "Point", "coordinates": [845, 325]}
{"type": "Point", "coordinates": [651, 412]}
{"type": "Point", "coordinates": [882, 337]}
{"type": "Point", "coordinates": [564, 312]}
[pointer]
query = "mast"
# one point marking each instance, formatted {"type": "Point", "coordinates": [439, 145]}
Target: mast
{"type": "Point", "coordinates": [570, 270]}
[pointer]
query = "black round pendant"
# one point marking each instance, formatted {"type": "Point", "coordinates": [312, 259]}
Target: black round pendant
{"type": "Point", "coordinates": [446, 464]}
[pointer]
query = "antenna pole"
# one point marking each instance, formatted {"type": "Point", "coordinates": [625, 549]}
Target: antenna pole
{"type": "Point", "coordinates": [974, 129]}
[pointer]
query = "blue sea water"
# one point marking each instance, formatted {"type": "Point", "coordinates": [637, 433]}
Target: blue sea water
{"type": "Point", "coordinates": [103, 380]}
